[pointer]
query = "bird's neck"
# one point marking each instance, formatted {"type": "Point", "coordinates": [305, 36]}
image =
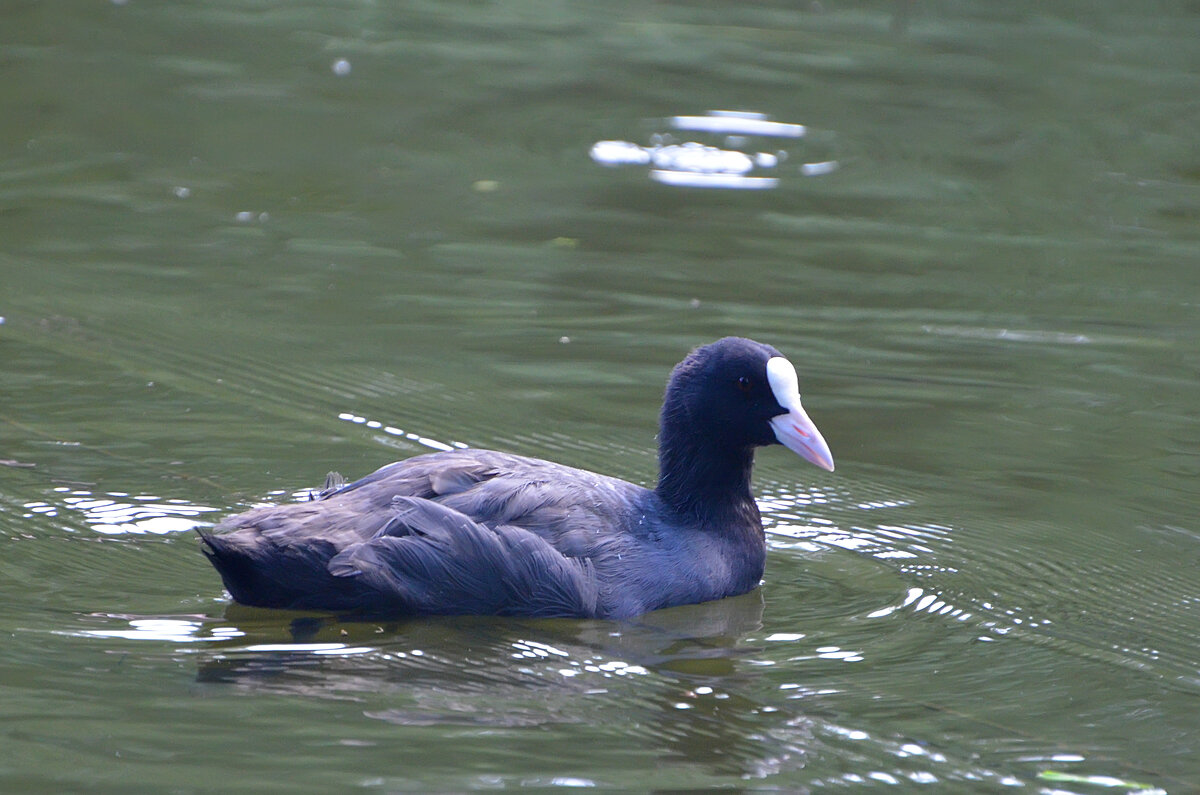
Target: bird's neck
{"type": "Point", "coordinates": [708, 484]}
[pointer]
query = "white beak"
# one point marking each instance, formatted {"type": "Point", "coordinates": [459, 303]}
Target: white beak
{"type": "Point", "coordinates": [794, 429]}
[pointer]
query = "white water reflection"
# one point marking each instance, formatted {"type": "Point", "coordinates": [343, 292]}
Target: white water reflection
{"type": "Point", "coordinates": [173, 630]}
{"type": "Point", "coordinates": [693, 179]}
{"type": "Point", "coordinates": [120, 513]}
{"type": "Point", "coordinates": [309, 648]}
{"type": "Point", "coordinates": [738, 123]}
{"type": "Point", "coordinates": [734, 158]}
{"type": "Point", "coordinates": [391, 430]}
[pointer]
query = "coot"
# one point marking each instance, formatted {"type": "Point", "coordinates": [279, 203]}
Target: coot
{"type": "Point", "coordinates": [482, 532]}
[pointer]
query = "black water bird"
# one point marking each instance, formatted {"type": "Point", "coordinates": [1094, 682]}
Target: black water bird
{"type": "Point", "coordinates": [482, 532]}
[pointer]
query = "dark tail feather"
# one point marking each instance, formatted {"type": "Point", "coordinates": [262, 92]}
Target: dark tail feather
{"type": "Point", "coordinates": [236, 568]}
{"type": "Point", "coordinates": [259, 573]}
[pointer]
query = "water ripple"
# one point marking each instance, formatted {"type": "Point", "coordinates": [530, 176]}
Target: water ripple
{"type": "Point", "coordinates": [120, 513]}
{"type": "Point", "coordinates": [1088, 608]}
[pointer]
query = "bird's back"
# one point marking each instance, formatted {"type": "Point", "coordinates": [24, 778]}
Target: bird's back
{"type": "Point", "coordinates": [469, 531]}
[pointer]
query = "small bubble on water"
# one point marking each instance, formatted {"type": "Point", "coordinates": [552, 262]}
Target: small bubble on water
{"type": "Point", "coordinates": [341, 67]}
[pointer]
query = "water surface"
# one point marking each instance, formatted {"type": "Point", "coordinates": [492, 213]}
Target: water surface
{"type": "Point", "coordinates": [242, 245]}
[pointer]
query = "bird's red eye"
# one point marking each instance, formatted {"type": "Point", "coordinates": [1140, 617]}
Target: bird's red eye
{"type": "Point", "coordinates": [744, 384]}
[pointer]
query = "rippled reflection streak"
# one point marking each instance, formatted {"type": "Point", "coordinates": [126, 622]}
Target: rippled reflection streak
{"type": "Point", "coordinates": [116, 512]}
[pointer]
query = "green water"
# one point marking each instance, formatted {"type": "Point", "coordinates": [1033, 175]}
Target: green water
{"type": "Point", "coordinates": [243, 244]}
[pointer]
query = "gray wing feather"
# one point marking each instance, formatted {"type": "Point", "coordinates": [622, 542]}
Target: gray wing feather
{"type": "Point", "coordinates": [430, 556]}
